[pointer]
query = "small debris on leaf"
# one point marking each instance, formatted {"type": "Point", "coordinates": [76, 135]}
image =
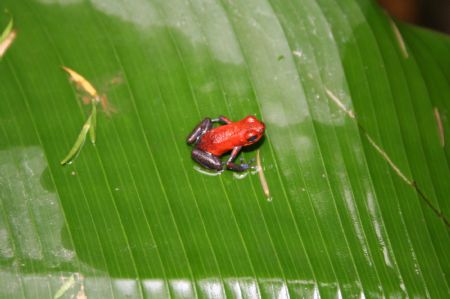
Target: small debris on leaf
{"type": "Point", "coordinates": [73, 153]}
{"type": "Point", "coordinates": [91, 92]}
{"type": "Point", "coordinates": [437, 116]}
{"type": "Point", "coordinates": [91, 123]}
{"type": "Point", "coordinates": [262, 177]}
{"type": "Point", "coordinates": [82, 83]}
{"type": "Point", "coordinates": [340, 104]}
{"type": "Point", "coordinates": [75, 282]}
{"type": "Point", "coordinates": [7, 38]}
{"type": "Point", "coordinates": [69, 283]}
{"type": "Point", "coordinates": [399, 38]}
{"type": "Point", "coordinates": [298, 53]}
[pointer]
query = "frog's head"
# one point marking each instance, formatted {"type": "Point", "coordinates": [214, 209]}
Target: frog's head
{"type": "Point", "coordinates": [253, 130]}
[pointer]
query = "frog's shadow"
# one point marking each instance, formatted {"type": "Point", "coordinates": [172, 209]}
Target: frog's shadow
{"type": "Point", "coordinates": [255, 145]}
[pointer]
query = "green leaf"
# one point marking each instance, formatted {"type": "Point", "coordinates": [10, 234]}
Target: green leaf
{"type": "Point", "coordinates": [7, 30]}
{"type": "Point", "coordinates": [355, 156]}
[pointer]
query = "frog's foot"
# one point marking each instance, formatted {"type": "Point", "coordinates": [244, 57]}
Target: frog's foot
{"type": "Point", "coordinates": [242, 166]}
{"type": "Point", "coordinates": [199, 130]}
{"type": "Point", "coordinates": [207, 160]}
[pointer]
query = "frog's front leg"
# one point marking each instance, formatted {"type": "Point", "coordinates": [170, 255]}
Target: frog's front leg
{"type": "Point", "coordinates": [233, 166]}
{"type": "Point", "coordinates": [206, 159]}
{"type": "Point", "coordinates": [199, 130]}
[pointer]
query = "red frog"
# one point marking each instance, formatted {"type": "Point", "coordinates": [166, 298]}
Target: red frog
{"type": "Point", "coordinates": [211, 143]}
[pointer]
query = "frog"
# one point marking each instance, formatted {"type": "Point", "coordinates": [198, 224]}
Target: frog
{"type": "Point", "coordinates": [211, 143]}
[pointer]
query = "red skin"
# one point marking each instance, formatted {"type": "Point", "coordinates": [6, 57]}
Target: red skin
{"type": "Point", "coordinates": [222, 139]}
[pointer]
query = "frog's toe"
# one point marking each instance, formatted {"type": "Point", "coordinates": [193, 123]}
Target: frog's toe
{"type": "Point", "coordinates": [251, 161]}
{"type": "Point", "coordinates": [237, 167]}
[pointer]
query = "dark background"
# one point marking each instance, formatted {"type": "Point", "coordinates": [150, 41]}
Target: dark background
{"type": "Point", "coordinates": [434, 14]}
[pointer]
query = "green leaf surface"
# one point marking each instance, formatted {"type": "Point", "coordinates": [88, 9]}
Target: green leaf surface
{"type": "Point", "coordinates": [356, 153]}
{"type": "Point", "coordinates": [7, 30]}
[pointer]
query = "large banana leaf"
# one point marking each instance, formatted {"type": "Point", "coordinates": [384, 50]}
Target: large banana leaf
{"type": "Point", "coordinates": [356, 153]}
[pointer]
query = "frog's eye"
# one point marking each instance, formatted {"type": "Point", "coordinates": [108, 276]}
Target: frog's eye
{"type": "Point", "coordinates": [252, 138]}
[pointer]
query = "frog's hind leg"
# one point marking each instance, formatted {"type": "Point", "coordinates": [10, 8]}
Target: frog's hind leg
{"type": "Point", "coordinates": [199, 130]}
{"type": "Point", "coordinates": [206, 159]}
{"type": "Point", "coordinates": [204, 127]}
{"type": "Point", "coordinates": [221, 119]}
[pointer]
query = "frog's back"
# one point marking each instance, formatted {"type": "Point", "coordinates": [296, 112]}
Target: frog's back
{"type": "Point", "coordinates": [219, 140]}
